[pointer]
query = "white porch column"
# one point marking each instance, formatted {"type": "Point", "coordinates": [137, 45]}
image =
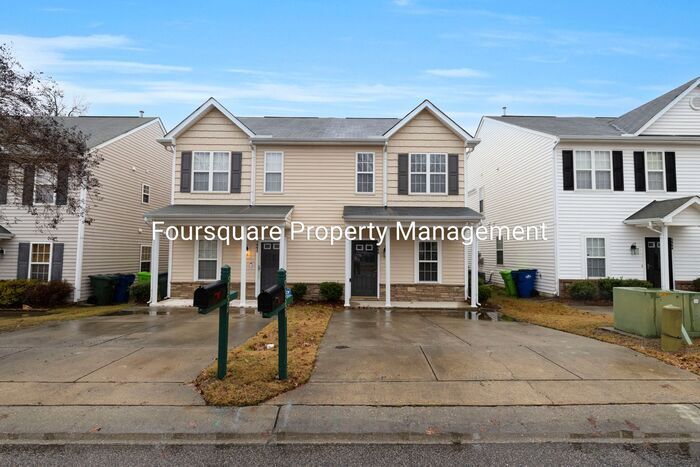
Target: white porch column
{"type": "Point", "coordinates": [387, 269]}
{"type": "Point", "coordinates": [665, 276]}
{"type": "Point", "coordinates": [466, 273]}
{"type": "Point", "coordinates": [244, 266]}
{"type": "Point", "coordinates": [346, 290]}
{"type": "Point", "coordinates": [283, 250]}
{"type": "Point", "coordinates": [155, 256]}
{"type": "Point", "coordinates": [475, 273]}
{"type": "Point", "coordinates": [170, 269]}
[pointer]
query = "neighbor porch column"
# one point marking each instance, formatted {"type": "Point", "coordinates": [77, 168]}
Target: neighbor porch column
{"type": "Point", "coordinates": [475, 273]}
{"type": "Point", "coordinates": [155, 256]}
{"type": "Point", "coordinates": [244, 266]}
{"type": "Point", "coordinates": [387, 269]}
{"type": "Point", "coordinates": [665, 276]}
{"type": "Point", "coordinates": [283, 250]}
{"type": "Point", "coordinates": [346, 290]}
{"type": "Point", "coordinates": [466, 273]}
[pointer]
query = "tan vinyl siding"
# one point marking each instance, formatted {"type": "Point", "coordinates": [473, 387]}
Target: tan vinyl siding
{"type": "Point", "coordinates": [403, 262]}
{"type": "Point", "coordinates": [214, 132]}
{"type": "Point", "coordinates": [184, 257]}
{"type": "Point", "coordinates": [113, 240]}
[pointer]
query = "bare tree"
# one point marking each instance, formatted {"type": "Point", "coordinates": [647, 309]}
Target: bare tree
{"type": "Point", "coordinates": [46, 166]}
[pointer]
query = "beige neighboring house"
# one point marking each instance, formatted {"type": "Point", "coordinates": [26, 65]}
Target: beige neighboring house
{"type": "Point", "coordinates": [265, 171]}
{"type": "Point", "coordinates": [135, 178]}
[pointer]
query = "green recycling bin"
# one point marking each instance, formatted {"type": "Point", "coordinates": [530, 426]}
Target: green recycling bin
{"type": "Point", "coordinates": [103, 288]}
{"type": "Point", "coordinates": [509, 283]}
{"type": "Point", "coordinates": [143, 277]}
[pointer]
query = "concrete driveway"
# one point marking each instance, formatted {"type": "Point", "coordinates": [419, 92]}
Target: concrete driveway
{"type": "Point", "coordinates": [129, 359]}
{"type": "Point", "coordinates": [407, 358]}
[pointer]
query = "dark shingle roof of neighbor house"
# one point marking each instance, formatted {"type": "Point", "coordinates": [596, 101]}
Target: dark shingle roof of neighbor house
{"type": "Point", "coordinates": [101, 129]}
{"type": "Point", "coordinates": [416, 213]}
{"type": "Point", "coordinates": [628, 123]}
{"type": "Point", "coordinates": [228, 212]}
{"type": "Point", "coordinates": [659, 209]}
{"type": "Point", "coordinates": [4, 233]}
{"type": "Point", "coordinates": [310, 128]}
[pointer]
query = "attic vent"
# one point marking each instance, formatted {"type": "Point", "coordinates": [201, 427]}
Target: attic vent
{"type": "Point", "coordinates": [695, 102]}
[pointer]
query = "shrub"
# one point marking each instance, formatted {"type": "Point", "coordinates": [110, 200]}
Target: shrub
{"type": "Point", "coordinates": [583, 290]}
{"type": "Point", "coordinates": [330, 291]}
{"type": "Point", "coordinates": [484, 293]}
{"type": "Point", "coordinates": [298, 291]}
{"type": "Point", "coordinates": [12, 292]}
{"type": "Point", "coordinates": [47, 294]}
{"type": "Point", "coordinates": [141, 292]}
{"type": "Point", "coordinates": [607, 284]}
{"type": "Point", "coordinates": [696, 284]}
{"type": "Point", "coordinates": [637, 283]}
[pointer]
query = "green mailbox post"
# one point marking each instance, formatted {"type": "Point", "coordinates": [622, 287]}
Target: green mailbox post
{"type": "Point", "coordinates": [210, 297]}
{"type": "Point", "coordinates": [273, 301]}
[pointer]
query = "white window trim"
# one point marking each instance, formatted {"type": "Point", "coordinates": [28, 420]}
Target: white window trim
{"type": "Point", "coordinates": [143, 188]}
{"type": "Point", "coordinates": [211, 171]}
{"type": "Point", "coordinates": [357, 172]}
{"type": "Point", "coordinates": [141, 254]}
{"type": "Point", "coordinates": [219, 254]}
{"type": "Point", "coordinates": [427, 173]}
{"type": "Point", "coordinates": [31, 248]}
{"type": "Point", "coordinates": [34, 202]}
{"type": "Point", "coordinates": [585, 254]}
{"type": "Point", "coordinates": [482, 200]}
{"type": "Point", "coordinates": [593, 171]}
{"type": "Point", "coordinates": [265, 172]}
{"type": "Point", "coordinates": [416, 274]}
{"type": "Point", "coordinates": [663, 169]}
{"type": "Point", "coordinates": [502, 250]}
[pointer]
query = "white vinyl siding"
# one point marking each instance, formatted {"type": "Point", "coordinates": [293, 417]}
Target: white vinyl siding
{"type": "Point", "coordinates": [593, 170]}
{"type": "Point", "coordinates": [274, 172]}
{"type": "Point", "coordinates": [428, 173]}
{"type": "Point", "coordinates": [40, 261]}
{"type": "Point", "coordinates": [211, 171]}
{"type": "Point", "coordinates": [655, 170]}
{"type": "Point", "coordinates": [364, 172]}
{"type": "Point", "coordinates": [595, 257]}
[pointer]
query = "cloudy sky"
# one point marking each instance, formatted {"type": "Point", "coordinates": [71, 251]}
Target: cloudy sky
{"type": "Point", "coordinates": [358, 58]}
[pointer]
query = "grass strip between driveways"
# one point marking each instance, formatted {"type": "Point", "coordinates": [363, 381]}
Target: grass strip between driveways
{"type": "Point", "coordinates": [58, 314]}
{"type": "Point", "coordinates": [251, 375]}
{"type": "Point", "coordinates": [552, 313]}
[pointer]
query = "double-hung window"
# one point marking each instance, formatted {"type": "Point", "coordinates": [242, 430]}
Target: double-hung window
{"type": "Point", "coordinates": [481, 200]}
{"type": "Point", "coordinates": [145, 260]}
{"type": "Point", "coordinates": [428, 173]}
{"type": "Point", "coordinates": [364, 165]}
{"type": "Point", "coordinates": [44, 187]}
{"type": "Point", "coordinates": [655, 170]}
{"type": "Point", "coordinates": [145, 194]}
{"type": "Point", "coordinates": [40, 261]}
{"type": "Point", "coordinates": [595, 257]}
{"type": "Point", "coordinates": [593, 170]}
{"type": "Point", "coordinates": [499, 251]}
{"type": "Point", "coordinates": [207, 260]}
{"type": "Point", "coordinates": [211, 171]}
{"type": "Point", "coordinates": [428, 259]}
{"type": "Point", "coordinates": [274, 168]}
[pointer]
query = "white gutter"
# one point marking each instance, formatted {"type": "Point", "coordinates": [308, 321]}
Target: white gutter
{"type": "Point", "coordinates": [385, 177]}
{"type": "Point", "coordinates": [80, 247]}
{"type": "Point", "coordinates": [327, 141]}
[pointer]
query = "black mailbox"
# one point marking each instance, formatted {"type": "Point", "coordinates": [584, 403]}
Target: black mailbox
{"type": "Point", "coordinates": [210, 295]}
{"type": "Point", "coordinates": [270, 300]}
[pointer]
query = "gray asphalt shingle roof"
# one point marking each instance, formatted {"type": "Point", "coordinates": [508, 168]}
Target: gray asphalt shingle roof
{"type": "Point", "coordinates": [101, 129]}
{"type": "Point", "coordinates": [208, 211]}
{"type": "Point", "coordinates": [416, 213]}
{"type": "Point", "coordinates": [659, 209]}
{"type": "Point", "coordinates": [311, 128]}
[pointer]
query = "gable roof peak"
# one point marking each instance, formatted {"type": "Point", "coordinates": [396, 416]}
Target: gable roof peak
{"type": "Point", "coordinates": [439, 114]}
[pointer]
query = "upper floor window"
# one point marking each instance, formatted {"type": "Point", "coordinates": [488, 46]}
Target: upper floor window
{"type": "Point", "coordinates": [655, 170]}
{"type": "Point", "coordinates": [44, 187]}
{"type": "Point", "coordinates": [145, 194]}
{"type": "Point", "coordinates": [40, 261]}
{"type": "Point", "coordinates": [593, 170]}
{"type": "Point", "coordinates": [145, 260]}
{"type": "Point", "coordinates": [274, 169]}
{"type": "Point", "coordinates": [364, 165]}
{"type": "Point", "coordinates": [481, 200]}
{"type": "Point", "coordinates": [428, 173]}
{"type": "Point", "coordinates": [595, 257]}
{"type": "Point", "coordinates": [211, 171]}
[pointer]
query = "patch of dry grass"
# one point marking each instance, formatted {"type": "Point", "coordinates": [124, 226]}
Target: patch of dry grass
{"type": "Point", "coordinates": [58, 314]}
{"type": "Point", "coordinates": [251, 375]}
{"type": "Point", "coordinates": [554, 314]}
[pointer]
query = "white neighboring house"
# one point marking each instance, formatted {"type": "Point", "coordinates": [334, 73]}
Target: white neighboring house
{"type": "Point", "coordinates": [135, 177]}
{"type": "Point", "coordinates": [610, 191]}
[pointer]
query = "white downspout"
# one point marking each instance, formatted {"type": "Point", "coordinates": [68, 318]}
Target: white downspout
{"type": "Point", "coordinates": [80, 247]}
{"type": "Point", "coordinates": [665, 273]}
{"type": "Point", "coordinates": [170, 242]}
{"type": "Point", "coordinates": [555, 234]}
{"type": "Point", "coordinates": [385, 177]}
{"type": "Point", "coordinates": [253, 162]}
{"type": "Point", "coordinates": [467, 151]}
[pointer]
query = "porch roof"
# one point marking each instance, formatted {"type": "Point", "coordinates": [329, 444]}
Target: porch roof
{"type": "Point", "coordinates": [410, 213]}
{"type": "Point", "coordinates": [663, 211]}
{"type": "Point", "coordinates": [208, 212]}
{"type": "Point", "coordinates": [5, 234]}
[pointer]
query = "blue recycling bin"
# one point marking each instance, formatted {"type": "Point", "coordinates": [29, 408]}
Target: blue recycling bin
{"type": "Point", "coordinates": [121, 289]}
{"type": "Point", "coordinates": [524, 281]}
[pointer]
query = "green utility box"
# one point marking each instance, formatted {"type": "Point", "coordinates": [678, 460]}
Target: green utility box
{"type": "Point", "coordinates": [638, 310]}
{"type": "Point", "coordinates": [509, 283]}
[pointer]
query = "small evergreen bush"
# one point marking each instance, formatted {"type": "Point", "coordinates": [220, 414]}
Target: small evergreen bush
{"type": "Point", "coordinates": [298, 291]}
{"type": "Point", "coordinates": [330, 291]}
{"type": "Point", "coordinates": [583, 290]}
{"type": "Point", "coordinates": [141, 292]}
{"type": "Point", "coordinates": [484, 294]}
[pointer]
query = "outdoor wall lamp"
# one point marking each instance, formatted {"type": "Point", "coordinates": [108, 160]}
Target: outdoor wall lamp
{"type": "Point", "coordinates": [247, 252]}
{"type": "Point", "coordinates": [634, 251]}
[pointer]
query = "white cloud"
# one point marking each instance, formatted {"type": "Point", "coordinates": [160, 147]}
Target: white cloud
{"type": "Point", "coordinates": [402, 2]}
{"type": "Point", "coordinates": [455, 73]}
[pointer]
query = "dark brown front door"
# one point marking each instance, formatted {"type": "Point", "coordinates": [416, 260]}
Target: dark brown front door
{"type": "Point", "coordinates": [653, 256]}
{"type": "Point", "coordinates": [364, 268]}
{"type": "Point", "coordinates": [269, 263]}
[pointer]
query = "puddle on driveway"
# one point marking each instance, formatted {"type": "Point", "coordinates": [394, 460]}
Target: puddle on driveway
{"type": "Point", "coordinates": [144, 311]}
{"type": "Point", "coordinates": [485, 315]}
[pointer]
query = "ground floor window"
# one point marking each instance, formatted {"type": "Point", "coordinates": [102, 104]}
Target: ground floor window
{"type": "Point", "coordinates": [428, 258]}
{"type": "Point", "coordinates": [595, 257]}
{"type": "Point", "coordinates": [145, 258]}
{"type": "Point", "coordinates": [499, 251]}
{"type": "Point", "coordinates": [207, 260]}
{"type": "Point", "coordinates": [40, 261]}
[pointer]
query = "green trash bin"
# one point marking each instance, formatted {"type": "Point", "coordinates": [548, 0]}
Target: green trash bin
{"type": "Point", "coordinates": [509, 283]}
{"type": "Point", "coordinates": [143, 277]}
{"type": "Point", "coordinates": [103, 288]}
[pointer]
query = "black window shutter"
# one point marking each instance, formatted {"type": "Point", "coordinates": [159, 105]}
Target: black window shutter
{"type": "Point", "coordinates": [671, 171]}
{"type": "Point", "coordinates": [236, 163]}
{"type": "Point", "coordinates": [618, 171]}
{"type": "Point", "coordinates": [57, 262]}
{"type": "Point", "coordinates": [185, 171]}
{"type": "Point", "coordinates": [640, 183]}
{"type": "Point", "coordinates": [4, 180]}
{"type": "Point", "coordinates": [28, 188]}
{"type": "Point", "coordinates": [453, 174]}
{"type": "Point", "coordinates": [23, 261]}
{"type": "Point", "coordinates": [568, 169]}
{"type": "Point", "coordinates": [62, 186]}
{"type": "Point", "coordinates": [403, 174]}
